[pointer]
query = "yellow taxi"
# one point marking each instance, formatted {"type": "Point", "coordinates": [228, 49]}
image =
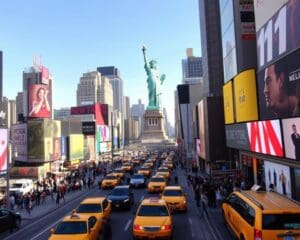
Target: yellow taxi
{"type": "Point", "coordinates": [145, 170]}
{"type": "Point", "coordinates": [152, 220]}
{"type": "Point", "coordinates": [127, 167]}
{"type": "Point", "coordinates": [164, 171]}
{"type": "Point", "coordinates": [156, 184]}
{"type": "Point", "coordinates": [119, 172]}
{"type": "Point", "coordinates": [175, 198]}
{"type": "Point", "coordinates": [149, 163]}
{"type": "Point", "coordinates": [136, 161]}
{"type": "Point", "coordinates": [257, 214]}
{"type": "Point", "coordinates": [99, 207]}
{"type": "Point", "coordinates": [75, 227]}
{"type": "Point", "coordinates": [169, 164]}
{"type": "Point", "coordinates": [110, 181]}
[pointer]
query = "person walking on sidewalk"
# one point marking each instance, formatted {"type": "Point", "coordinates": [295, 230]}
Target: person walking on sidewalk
{"type": "Point", "coordinates": [197, 194]}
{"type": "Point", "coordinates": [27, 203]}
{"type": "Point", "coordinates": [57, 197]}
{"type": "Point", "coordinates": [203, 205]}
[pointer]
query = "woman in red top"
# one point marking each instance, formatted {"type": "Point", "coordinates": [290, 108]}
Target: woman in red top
{"type": "Point", "coordinates": [40, 106]}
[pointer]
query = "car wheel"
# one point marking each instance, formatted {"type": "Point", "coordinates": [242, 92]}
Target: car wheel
{"type": "Point", "coordinates": [18, 223]}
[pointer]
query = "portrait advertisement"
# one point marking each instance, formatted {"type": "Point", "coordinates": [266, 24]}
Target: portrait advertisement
{"type": "Point", "coordinates": [277, 178]}
{"type": "Point", "coordinates": [279, 88]}
{"type": "Point", "coordinates": [19, 141]}
{"type": "Point", "coordinates": [39, 101]}
{"type": "Point", "coordinates": [291, 136]}
{"type": "Point", "coordinates": [89, 148]}
{"type": "Point", "coordinates": [56, 149]}
{"type": "Point", "coordinates": [3, 149]}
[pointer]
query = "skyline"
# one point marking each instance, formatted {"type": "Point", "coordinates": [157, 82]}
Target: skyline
{"type": "Point", "coordinates": [74, 39]}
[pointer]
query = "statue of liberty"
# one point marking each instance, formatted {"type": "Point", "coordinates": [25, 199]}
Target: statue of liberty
{"type": "Point", "coordinates": [154, 81]}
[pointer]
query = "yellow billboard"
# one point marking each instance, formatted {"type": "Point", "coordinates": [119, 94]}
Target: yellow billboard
{"type": "Point", "coordinates": [76, 146]}
{"type": "Point", "coordinates": [245, 96]}
{"type": "Point", "coordinates": [228, 103]}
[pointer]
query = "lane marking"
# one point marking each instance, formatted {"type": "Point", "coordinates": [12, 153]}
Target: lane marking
{"type": "Point", "coordinates": [127, 225]}
{"type": "Point", "coordinates": [46, 230]}
{"type": "Point", "coordinates": [192, 229]}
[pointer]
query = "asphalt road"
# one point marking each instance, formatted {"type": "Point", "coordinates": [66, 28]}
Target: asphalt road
{"type": "Point", "coordinates": [189, 225]}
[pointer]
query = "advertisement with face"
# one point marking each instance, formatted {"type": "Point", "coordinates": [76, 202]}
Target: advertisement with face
{"type": "Point", "coordinates": [39, 101]}
{"type": "Point", "coordinates": [279, 33]}
{"type": "Point", "coordinates": [278, 178]}
{"type": "Point", "coordinates": [279, 88]}
{"type": "Point", "coordinates": [19, 141]}
{"type": "Point", "coordinates": [291, 136]}
{"type": "Point", "coordinates": [3, 149]}
{"type": "Point", "coordinates": [56, 149]}
{"type": "Point", "coordinates": [76, 146]}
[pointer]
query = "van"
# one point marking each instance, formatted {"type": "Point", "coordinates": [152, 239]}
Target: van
{"type": "Point", "coordinates": [21, 186]}
{"type": "Point", "coordinates": [258, 215]}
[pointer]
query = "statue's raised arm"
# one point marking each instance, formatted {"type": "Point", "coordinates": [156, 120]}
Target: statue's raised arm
{"type": "Point", "coordinates": [147, 68]}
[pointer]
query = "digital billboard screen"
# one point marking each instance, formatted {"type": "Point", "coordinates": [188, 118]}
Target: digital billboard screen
{"type": "Point", "coordinates": [39, 101]}
{"type": "Point", "coordinates": [228, 103]}
{"type": "Point", "coordinates": [279, 33]}
{"type": "Point", "coordinates": [88, 128]}
{"type": "Point", "coordinates": [76, 146]}
{"type": "Point", "coordinates": [36, 141]}
{"type": "Point", "coordinates": [201, 127]}
{"type": "Point", "coordinates": [3, 149]}
{"type": "Point", "coordinates": [19, 141]}
{"type": "Point", "coordinates": [245, 96]}
{"type": "Point", "coordinates": [279, 88]}
{"type": "Point", "coordinates": [291, 137]}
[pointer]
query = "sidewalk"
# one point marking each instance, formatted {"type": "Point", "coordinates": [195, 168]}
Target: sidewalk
{"type": "Point", "coordinates": [50, 204]}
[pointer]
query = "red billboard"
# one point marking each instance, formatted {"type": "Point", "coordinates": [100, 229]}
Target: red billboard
{"type": "Point", "coordinates": [45, 74]}
{"type": "Point", "coordinates": [99, 110]}
{"type": "Point", "coordinates": [39, 101]}
{"type": "Point", "coordinates": [3, 149]}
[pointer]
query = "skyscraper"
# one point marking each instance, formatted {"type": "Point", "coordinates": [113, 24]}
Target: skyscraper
{"type": "Point", "coordinates": [192, 68]}
{"type": "Point", "coordinates": [138, 110]}
{"type": "Point", "coordinates": [1, 75]}
{"type": "Point", "coordinates": [211, 47]}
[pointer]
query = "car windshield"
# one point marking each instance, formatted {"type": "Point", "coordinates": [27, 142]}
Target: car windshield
{"type": "Point", "coordinates": [163, 170]}
{"type": "Point", "coordinates": [157, 180]}
{"type": "Point", "coordinates": [16, 185]}
{"type": "Point", "coordinates": [119, 171]}
{"type": "Point", "coordinates": [111, 177]}
{"type": "Point", "coordinates": [173, 192]}
{"type": "Point", "coordinates": [150, 210]}
{"type": "Point", "coordinates": [139, 176]}
{"type": "Point", "coordinates": [120, 191]}
{"type": "Point", "coordinates": [144, 168]}
{"type": "Point", "coordinates": [89, 208]}
{"type": "Point", "coordinates": [71, 228]}
{"type": "Point", "coordinates": [281, 221]}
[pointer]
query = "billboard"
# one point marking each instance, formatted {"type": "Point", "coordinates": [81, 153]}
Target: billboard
{"type": "Point", "coordinates": [279, 88]}
{"type": "Point", "coordinates": [76, 146]}
{"type": "Point", "coordinates": [89, 148]}
{"type": "Point", "coordinates": [56, 149]}
{"type": "Point", "coordinates": [228, 103]}
{"type": "Point", "coordinates": [247, 20]}
{"type": "Point", "coordinates": [278, 176]}
{"type": "Point", "coordinates": [245, 96]}
{"type": "Point", "coordinates": [103, 133]}
{"type": "Point", "coordinates": [279, 32]}
{"type": "Point", "coordinates": [201, 127]}
{"type": "Point", "coordinates": [39, 101]}
{"type": "Point", "coordinates": [19, 141]}
{"type": "Point", "coordinates": [291, 137]}
{"type": "Point", "coordinates": [63, 145]}
{"type": "Point", "coordinates": [3, 149]}
{"type": "Point", "coordinates": [261, 137]}
{"type": "Point", "coordinates": [100, 111]}
{"type": "Point", "coordinates": [45, 74]}
{"type": "Point", "coordinates": [36, 141]}
{"type": "Point", "coordinates": [88, 128]}
{"type": "Point", "coordinates": [28, 172]}
{"type": "Point", "coordinates": [198, 146]}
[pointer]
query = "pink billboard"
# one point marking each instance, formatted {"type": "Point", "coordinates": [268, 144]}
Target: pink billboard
{"type": "Point", "coordinates": [3, 150]}
{"type": "Point", "coordinates": [39, 101]}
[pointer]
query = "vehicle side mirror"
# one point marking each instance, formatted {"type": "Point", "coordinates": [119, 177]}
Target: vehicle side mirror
{"type": "Point", "coordinates": [52, 230]}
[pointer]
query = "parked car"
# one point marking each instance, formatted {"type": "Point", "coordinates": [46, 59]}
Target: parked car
{"type": "Point", "coordinates": [9, 220]}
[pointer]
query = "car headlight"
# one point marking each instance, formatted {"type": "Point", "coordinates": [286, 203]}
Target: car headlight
{"type": "Point", "coordinates": [126, 200]}
{"type": "Point", "coordinates": [109, 200]}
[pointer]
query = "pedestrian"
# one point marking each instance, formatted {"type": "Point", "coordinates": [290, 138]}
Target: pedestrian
{"type": "Point", "coordinates": [203, 205]}
{"type": "Point", "coordinates": [27, 203]}
{"type": "Point", "coordinates": [176, 180]}
{"type": "Point", "coordinates": [12, 202]}
{"type": "Point", "coordinates": [43, 196]}
{"type": "Point", "coordinates": [57, 197]}
{"type": "Point", "coordinates": [197, 194]}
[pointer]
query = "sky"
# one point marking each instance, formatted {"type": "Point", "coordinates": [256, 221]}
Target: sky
{"type": "Point", "coordinates": [73, 37]}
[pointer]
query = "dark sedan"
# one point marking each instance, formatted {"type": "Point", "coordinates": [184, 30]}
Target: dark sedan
{"type": "Point", "coordinates": [121, 197]}
{"type": "Point", "coordinates": [9, 220]}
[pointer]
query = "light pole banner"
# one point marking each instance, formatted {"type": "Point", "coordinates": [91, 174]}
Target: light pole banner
{"type": "Point", "coordinates": [3, 150]}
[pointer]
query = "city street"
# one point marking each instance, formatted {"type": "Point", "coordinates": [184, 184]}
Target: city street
{"type": "Point", "coordinates": [189, 225]}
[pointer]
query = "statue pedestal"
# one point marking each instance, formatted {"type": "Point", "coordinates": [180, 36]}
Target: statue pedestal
{"type": "Point", "coordinates": [154, 130]}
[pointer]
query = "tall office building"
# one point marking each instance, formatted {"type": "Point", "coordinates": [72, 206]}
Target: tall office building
{"type": "Point", "coordinates": [191, 68]}
{"type": "Point", "coordinates": [211, 47]}
{"type": "Point", "coordinates": [138, 110]}
{"type": "Point", "coordinates": [8, 115]}
{"type": "Point", "coordinates": [62, 113]}
{"type": "Point", "coordinates": [1, 75]}
{"type": "Point", "coordinates": [127, 122]}
{"type": "Point", "coordinates": [126, 107]}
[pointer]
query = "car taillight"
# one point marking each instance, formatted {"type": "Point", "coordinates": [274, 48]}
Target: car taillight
{"type": "Point", "coordinates": [166, 227]}
{"type": "Point", "coordinates": [257, 234]}
{"type": "Point", "coordinates": [137, 227]}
